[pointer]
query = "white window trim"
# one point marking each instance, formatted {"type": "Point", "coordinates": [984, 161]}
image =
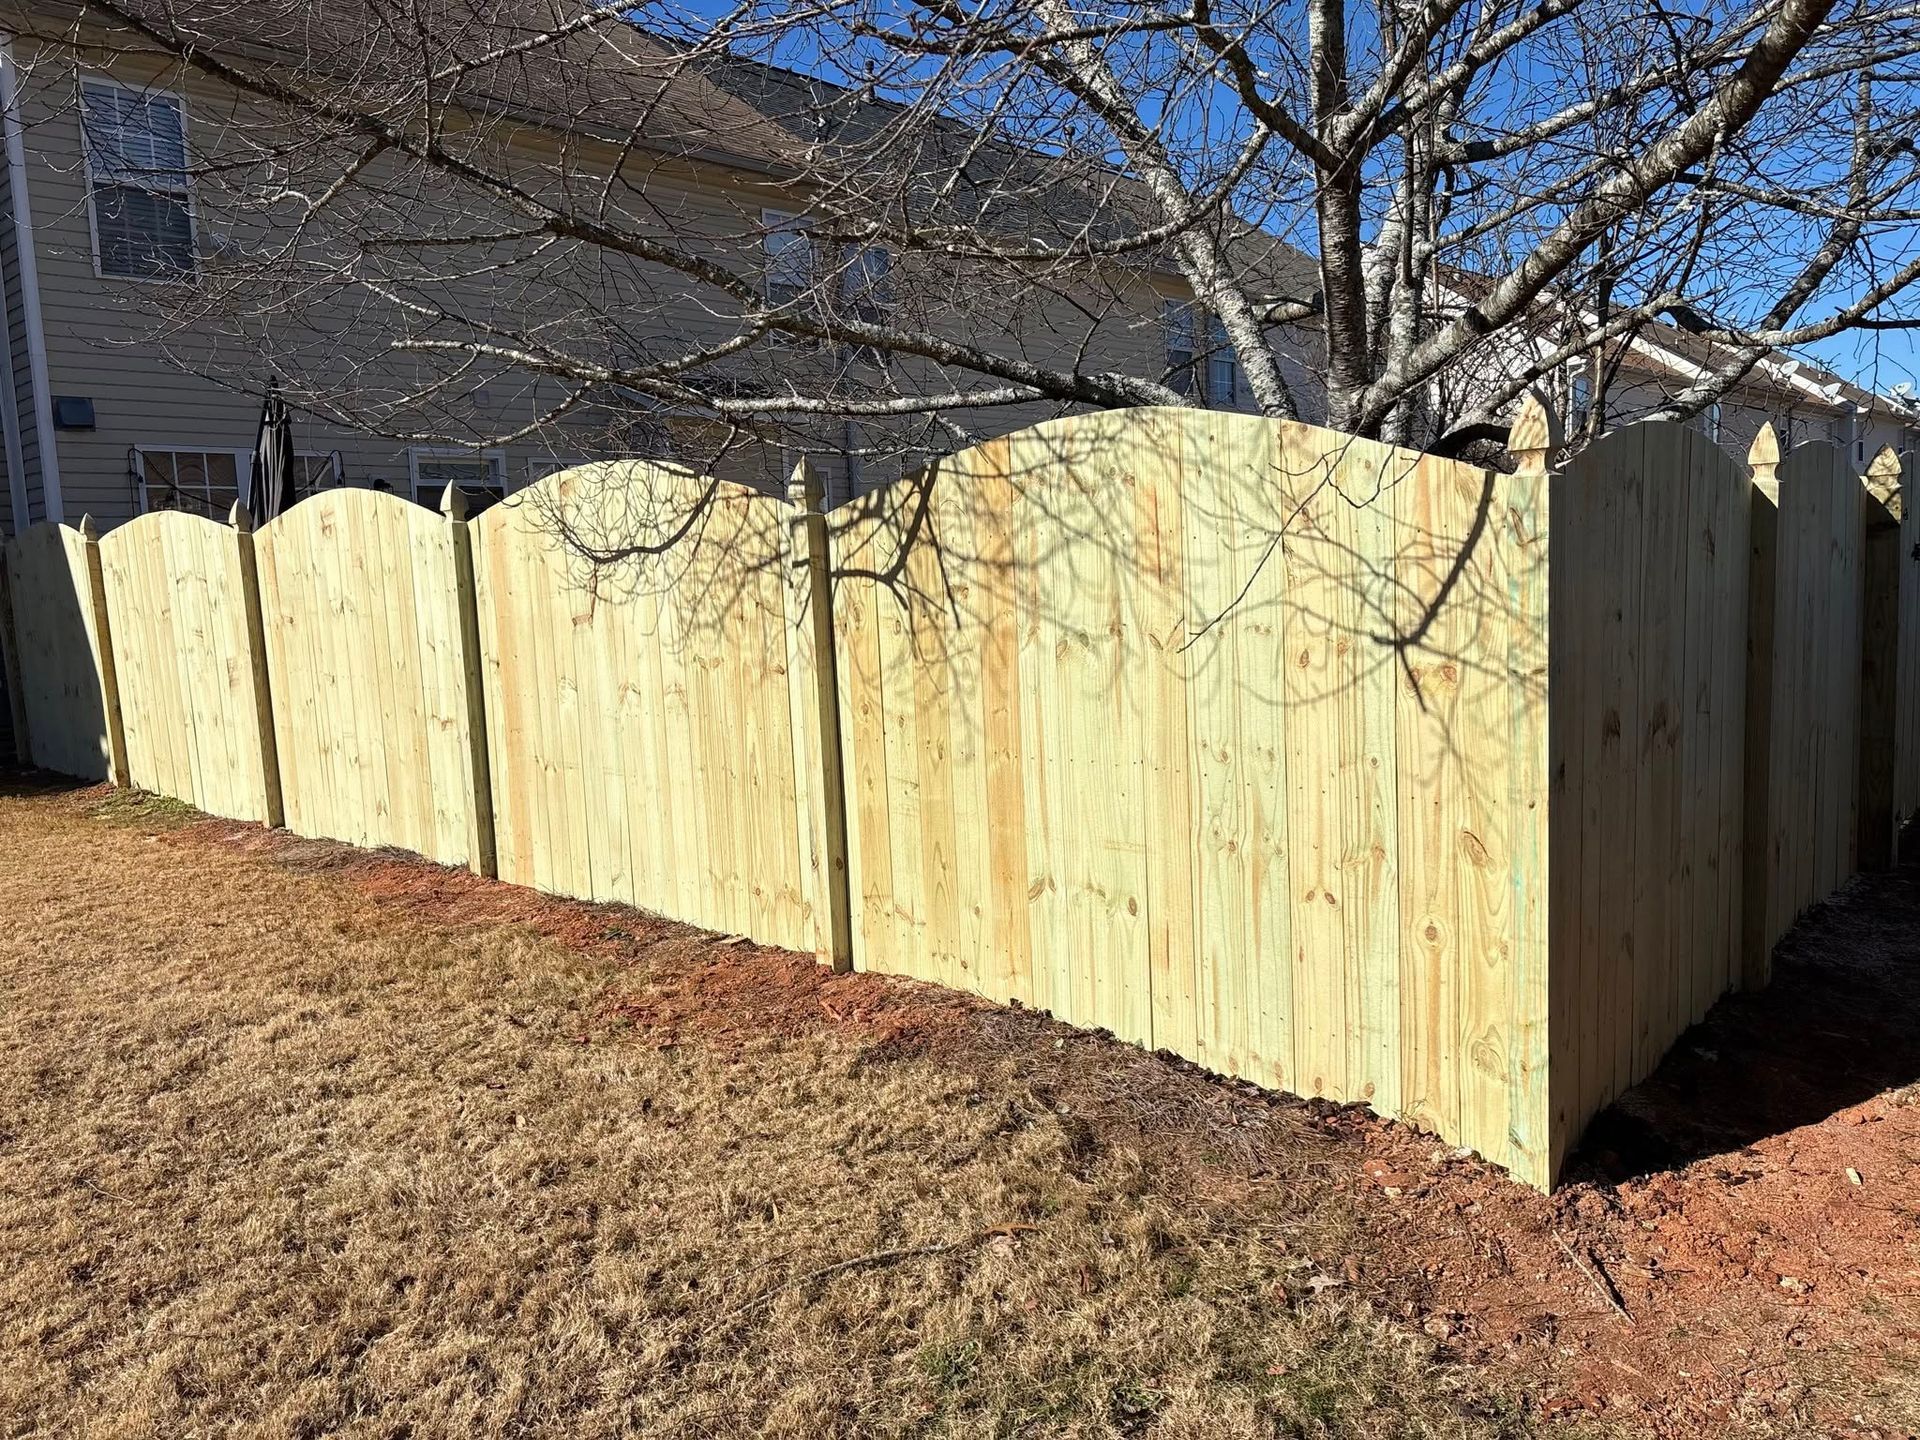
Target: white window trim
{"type": "Point", "coordinates": [334, 460]}
{"type": "Point", "coordinates": [550, 465]}
{"type": "Point", "coordinates": [495, 457]}
{"type": "Point", "coordinates": [791, 222]}
{"type": "Point", "coordinates": [186, 147]}
{"type": "Point", "coordinates": [242, 466]}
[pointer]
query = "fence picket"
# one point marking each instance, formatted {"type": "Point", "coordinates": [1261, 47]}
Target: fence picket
{"type": "Point", "coordinates": [1334, 766]}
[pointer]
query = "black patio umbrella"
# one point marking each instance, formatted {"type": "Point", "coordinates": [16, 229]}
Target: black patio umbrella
{"type": "Point", "coordinates": [271, 490]}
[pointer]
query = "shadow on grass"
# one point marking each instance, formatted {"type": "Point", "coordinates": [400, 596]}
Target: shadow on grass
{"type": "Point", "coordinates": [1839, 1024]}
{"type": "Point", "coordinates": [24, 780]}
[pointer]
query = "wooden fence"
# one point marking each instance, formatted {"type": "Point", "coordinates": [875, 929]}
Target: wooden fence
{"type": "Point", "coordinates": [649, 699]}
{"type": "Point", "coordinates": [1649, 682]}
{"type": "Point", "coordinates": [368, 661]}
{"type": "Point", "coordinates": [1226, 736]}
{"type": "Point", "coordinates": [186, 642]}
{"type": "Point", "coordinates": [1346, 769]}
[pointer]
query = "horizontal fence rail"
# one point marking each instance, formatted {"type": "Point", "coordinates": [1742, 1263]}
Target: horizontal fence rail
{"type": "Point", "coordinates": [1342, 768]}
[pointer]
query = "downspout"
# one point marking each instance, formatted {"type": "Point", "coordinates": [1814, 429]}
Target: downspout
{"type": "Point", "coordinates": [10, 117]}
{"type": "Point", "coordinates": [10, 422]}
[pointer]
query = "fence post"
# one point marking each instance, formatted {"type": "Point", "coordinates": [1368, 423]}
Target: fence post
{"type": "Point", "coordinates": [1544, 1004]}
{"type": "Point", "coordinates": [473, 719]}
{"type": "Point", "coordinates": [103, 638]}
{"type": "Point", "coordinates": [1756, 949]}
{"type": "Point", "coordinates": [1879, 660]}
{"type": "Point", "coordinates": [10, 638]}
{"type": "Point", "coordinates": [241, 519]}
{"type": "Point", "coordinates": [811, 550]}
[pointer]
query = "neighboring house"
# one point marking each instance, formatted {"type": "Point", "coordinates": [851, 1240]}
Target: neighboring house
{"type": "Point", "coordinates": [1802, 400]}
{"type": "Point", "coordinates": [107, 413]}
{"type": "Point", "coordinates": [105, 420]}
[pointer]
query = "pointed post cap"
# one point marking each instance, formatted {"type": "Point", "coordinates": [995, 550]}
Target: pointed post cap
{"type": "Point", "coordinates": [1535, 433]}
{"type": "Point", "coordinates": [89, 530]}
{"type": "Point", "coordinates": [453, 504]}
{"type": "Point", "coordinates": [241, 518]}
{"type": "Point", "coordinates": [1884, 476]}
{"type": "Point", "coordinates": [804, 488]}
{"type": "Point", "coordinates": [1763, 456]}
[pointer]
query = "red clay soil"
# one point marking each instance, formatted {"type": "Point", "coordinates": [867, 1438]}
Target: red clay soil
{"type": "Point", "coordinates": [1737, 1249]}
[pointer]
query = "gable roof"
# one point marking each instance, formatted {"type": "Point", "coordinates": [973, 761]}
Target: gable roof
{"type": "Point", "coordinates": [605, 82]}
{"type": "Point", "coordinates": [617, 83]}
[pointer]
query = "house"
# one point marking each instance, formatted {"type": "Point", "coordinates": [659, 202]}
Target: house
{"type": "Point", "coordinates": [1657, 361]}
{"type": "Point", "coordinates": [125, 398]}
{"type": "Point", "coordinates": [144, 322]}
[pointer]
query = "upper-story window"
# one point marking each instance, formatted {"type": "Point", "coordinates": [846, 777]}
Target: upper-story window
{"type": "Point", "coordinates": [1223, 365]}
{"type": "Point", "coordinates": [788, 255]}
{"type": "Point", "coordinates": [1579, 400]}
{"type": "Point", "coordinates": [866, 284]}
{"type": "Point", "coordinates": [137, 182]}
{"type": "Point", "coordinates": [1212, 375]}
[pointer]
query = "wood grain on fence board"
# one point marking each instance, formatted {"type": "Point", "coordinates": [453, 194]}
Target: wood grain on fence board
{"type": "Point", "coordinates": [1244, 704]}
{"type": "Point", "coordinates": [179, 595]}
{"type": "Point", "coordinates": [644, 740]}
{"type": "Point", "coordinates": [362, 627]}
{"type": "Point", "coordinates": [62, 688]}
{"type": "Point", "coordinates": [1649, 537]}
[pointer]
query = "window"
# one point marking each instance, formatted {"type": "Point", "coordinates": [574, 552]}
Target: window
{"type": "Point", "coordinates": [540, 469]}
{"type": "Point", "coordinates": [200, 482]}
{"type": "Point", "coordinates": [137, 188]}
{"type": "Point", "coordinates": [314, 471]}
{"type": "Point", "coordinates": [480, 474]}
{"type": "Point", "coordinates": [1710, 418]}
{"type": "Point", "coordinates": [1579, 401]}
{"type": "Point", "coordinates": [866, 285]}
{"type": "Point", "coordinates": [1214, 378]}
{"type": "Point", "coordinates": [1180, 346]}
{"type": "Point", "coordinates": [1223, 366]}
{"type": "Point", "coordinates": [788, 257]}
{"type": "Point", "coordinates": [866, 294]}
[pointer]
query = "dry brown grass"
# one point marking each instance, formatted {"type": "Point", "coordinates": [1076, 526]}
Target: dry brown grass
{"type": "Point", "coordinates": [276, 1159]}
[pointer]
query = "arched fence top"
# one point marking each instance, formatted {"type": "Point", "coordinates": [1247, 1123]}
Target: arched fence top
{"type": "Point", "coordinates": [153, 523]}
{"type": "Point", "coordinates": [331, 512]}
{"type": "Point", "coordinates": [609, 510]}
{"type": "Point", "coordinates": [1327, 763]}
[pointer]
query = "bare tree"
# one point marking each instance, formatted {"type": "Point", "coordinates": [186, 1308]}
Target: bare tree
{"type": "Point", "coordinates": [935, 213]}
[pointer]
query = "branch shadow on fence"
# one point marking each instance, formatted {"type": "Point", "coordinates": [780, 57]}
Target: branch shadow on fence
{"type": "Point", "coordinates": [1341, 768]}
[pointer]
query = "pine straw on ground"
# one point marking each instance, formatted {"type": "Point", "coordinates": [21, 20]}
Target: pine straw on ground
{"type": "Point", "coordinates": [296, 1142]}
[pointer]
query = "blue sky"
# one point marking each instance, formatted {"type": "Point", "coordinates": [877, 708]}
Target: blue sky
{"type": "Point", "coordinates": [1878, 359]}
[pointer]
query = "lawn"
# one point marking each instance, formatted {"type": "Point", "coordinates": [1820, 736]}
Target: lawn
{"type": "Point", "coordinates": [296, 1141]}
{"type": "Point", "coordinates": [283, 1156]}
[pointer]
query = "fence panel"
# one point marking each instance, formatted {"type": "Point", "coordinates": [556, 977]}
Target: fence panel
{"type": "Point", "coordinates": [1805, 820]}
{"type": "Point", "coordinates": [184, 655]}
{"type": "Point", "coordinates": [1650, 555]}
{"type": "Point", "coordinates": [1201, 728]}
{"type": "Point", "coordinates": [363, 639]}
{"type": "Point", "coordinates": [1906, 790]}
{"type": "Point", "coordinates": [646, 694]}
{"type": "Point", "coordinates": [57, 632]}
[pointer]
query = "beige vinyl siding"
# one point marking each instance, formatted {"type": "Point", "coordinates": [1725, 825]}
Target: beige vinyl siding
{"type": "Point", "coordinates": [98, 329]}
